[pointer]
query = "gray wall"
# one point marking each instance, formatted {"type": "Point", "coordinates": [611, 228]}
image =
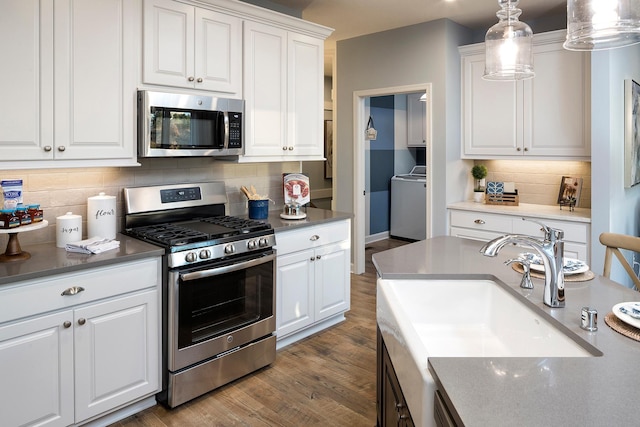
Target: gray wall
{"type": "Point", "coordinates": [422, 53]}
{"type": "Point", "coordinates": [614, 208]}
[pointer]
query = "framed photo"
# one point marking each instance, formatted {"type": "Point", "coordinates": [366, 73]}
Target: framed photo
{"type": "Point", "coordinates": [631, 133]}
{"type": "Point", "coordinates": [328, 148]}
{"type": "Point", "coordinates": [570, 189]}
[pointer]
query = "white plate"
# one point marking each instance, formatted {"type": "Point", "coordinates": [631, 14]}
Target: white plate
{"type": "Point", "coordinates": [299, 216]}
{"type": "Point", "coordinates": [625, 317]}
{"type": "Point", "coordinates": [571, 265]}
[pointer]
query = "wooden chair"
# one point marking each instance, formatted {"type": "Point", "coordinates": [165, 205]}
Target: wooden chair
{"type": "Point", "coordinates": [614, 242]}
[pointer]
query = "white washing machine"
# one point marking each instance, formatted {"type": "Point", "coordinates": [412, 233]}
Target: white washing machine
{"type": "Point", "coordinates": [409, 205]}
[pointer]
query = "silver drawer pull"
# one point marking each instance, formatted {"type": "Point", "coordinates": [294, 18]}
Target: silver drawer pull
{"type": "Point", "coordinates": [314, 237]}
{"type": "Point", "coordinates": [479, 221]}
{"type": "Point", "coordinates": [72, 291]}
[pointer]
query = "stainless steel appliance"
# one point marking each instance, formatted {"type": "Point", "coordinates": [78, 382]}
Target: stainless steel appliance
{"type": "Point", "coordinates": [218, 285]}
{"type": "Point", "coordinates": [409, 205]}
{"type": "Point", "coordinates": [186, 125]}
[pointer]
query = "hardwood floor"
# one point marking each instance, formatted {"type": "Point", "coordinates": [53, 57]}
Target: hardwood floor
{"type": "Point", "coordinates": [328, 379]}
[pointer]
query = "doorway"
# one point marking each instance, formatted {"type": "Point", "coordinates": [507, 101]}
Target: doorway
{"type": "Point", "coordinates": [360, 119]}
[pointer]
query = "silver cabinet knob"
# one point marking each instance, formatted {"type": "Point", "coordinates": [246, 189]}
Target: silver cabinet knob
{"type": "Point", "coordinates": [72, 291]}
{"type": "Point", "coordinates": [199, 80]}
{"type": "Point", "coordinates": [190, 78]}
{"type": "Point", "coordinates": [526, 149]}
{"type": "Point", "coordinates": [479, 221]}
{"type": "Point", "coordinates": [47, 148]}
{"type": "Point", "coordinates": [291, 148]}
{"type": "Point", "coordinates": [318, 257]}
{"type": "Point", "coordinates": [518, 149]}
{"type": "Point", "coordinates": [62, 148]}
{"type": "Point", "coordinates": [82, 321]}
{"type": "Point", "coordinates": [312, 259]}
{"type": "Point", "coordinates": [314, 237]}
{"type": "Point", "coordinates": [66, 324]}
{"type": "Point", "coordinates": [284, 148]}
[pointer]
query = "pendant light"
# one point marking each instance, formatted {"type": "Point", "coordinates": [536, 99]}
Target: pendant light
{"type": "Point", "coordinates": [508, 46]}
{"type": "Point", "coordinates": [602, 24]}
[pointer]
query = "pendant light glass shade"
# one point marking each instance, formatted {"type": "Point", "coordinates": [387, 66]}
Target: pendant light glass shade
{"type": "Point", "coordinates": [602, 24]}
{"type": "Point", "coordinates": [508, 46]}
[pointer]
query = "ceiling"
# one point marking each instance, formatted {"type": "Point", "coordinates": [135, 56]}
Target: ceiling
{"type": "Point", "coordinates": [352, 18]}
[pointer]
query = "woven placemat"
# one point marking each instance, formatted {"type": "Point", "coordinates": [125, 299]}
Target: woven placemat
{"type": "Point", "coordinates": [621, 327]}
{"type": "Point", "coordinates": [581, 277]}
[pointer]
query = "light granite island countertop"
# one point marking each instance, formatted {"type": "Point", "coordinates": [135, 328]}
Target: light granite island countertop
{"type": "Point", "coordinates": [508, 391]}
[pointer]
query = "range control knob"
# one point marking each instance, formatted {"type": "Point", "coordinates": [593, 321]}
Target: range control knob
{"type": "Point", "coordinates": [263, 242]}
{"type": "Point", "coordinates": [205, 254]}
{"type": "Point", "coordinates": [191, 257]}
{"type": "Point", "coordinates": [251, 244]}
{"type": "Point", "coordinates": [229, 249]}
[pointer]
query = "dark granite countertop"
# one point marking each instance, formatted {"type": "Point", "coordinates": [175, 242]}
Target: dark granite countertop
{"type": "Point", "coordinates": [47, 259]}
{"type": "Point", "coordinates": [507, 391]}
{"type": "Point", "coordinates": [314, 217]}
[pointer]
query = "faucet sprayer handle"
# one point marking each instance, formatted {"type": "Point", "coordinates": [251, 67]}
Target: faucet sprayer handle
{"type": "Point", "coordinates": [550, 234]}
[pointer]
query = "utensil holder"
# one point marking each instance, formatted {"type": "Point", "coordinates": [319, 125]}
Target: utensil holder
{"type": "Point", "coordinates": [258, 209]}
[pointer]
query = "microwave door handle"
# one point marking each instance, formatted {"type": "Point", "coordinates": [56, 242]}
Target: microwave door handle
{"type": "Point", "coordinates": [185, 277]}
{"type": "Point", "coordinates": [225, 130]}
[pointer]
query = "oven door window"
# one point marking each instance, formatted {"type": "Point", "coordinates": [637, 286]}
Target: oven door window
{"type": "Point", "coordinates": [216, 304]}
{"type": "Point", "coordinates": [174, 128]}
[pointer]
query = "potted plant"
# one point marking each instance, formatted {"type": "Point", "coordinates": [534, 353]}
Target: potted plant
{"type": "Point", "coordinates": [479, 172]}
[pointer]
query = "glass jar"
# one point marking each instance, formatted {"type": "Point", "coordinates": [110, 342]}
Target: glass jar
{"type": "Point", "coordinates": [9, 219]}
{"type": "Point", "coordinates": [36, 214]}
{"type": "Point", "coordinates": [25, 218]}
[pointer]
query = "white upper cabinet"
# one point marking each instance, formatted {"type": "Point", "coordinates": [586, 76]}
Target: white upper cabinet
{"type": "Point", "coordinates": [416, 121]}
{"type": "Point", "coordinates": [284, 94]}
{"type": "Point", "coordinates": [543, 117]}
{"type": "Point", "coordinates": [70, 92]}
{"type": "Point", "coordinates": [192, 47]}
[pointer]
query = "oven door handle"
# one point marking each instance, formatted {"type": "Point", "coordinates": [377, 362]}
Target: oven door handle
{"type": "Point", "coordinates": [185, 277]}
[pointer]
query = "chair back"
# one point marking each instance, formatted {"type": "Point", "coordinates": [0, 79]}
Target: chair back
{"type": "Point", "coordinates": [614, 242]}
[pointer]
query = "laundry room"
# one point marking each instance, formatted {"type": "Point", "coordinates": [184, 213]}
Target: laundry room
{"type": "Point", "coordinates": [395, 166]}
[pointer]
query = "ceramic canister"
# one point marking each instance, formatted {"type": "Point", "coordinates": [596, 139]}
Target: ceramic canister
{"type": "Point", "coordinates": [101, 216]}
{"type": "Point", "coordinates": [68, 229]}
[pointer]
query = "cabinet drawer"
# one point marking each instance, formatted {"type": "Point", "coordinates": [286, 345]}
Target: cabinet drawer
{"type": "Point", "coordinates": [311, 237]}
{"type": "Point", "coordinates": [481, 221]}
{"type": "Point", "coordinates": [573, 231]}
{"type": "Point", "coordinates": [33, 297]}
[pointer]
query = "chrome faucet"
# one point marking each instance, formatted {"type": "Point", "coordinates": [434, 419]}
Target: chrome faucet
{"type": "Point", "coordinates": [551, 249]}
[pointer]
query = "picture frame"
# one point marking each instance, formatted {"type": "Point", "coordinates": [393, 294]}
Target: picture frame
{"type": "Point", "coordinates": [570, 189]}
{"type": "Point", "coordinates": [631, 133]}
{"type": "Point", "coordinates": [328, 149]}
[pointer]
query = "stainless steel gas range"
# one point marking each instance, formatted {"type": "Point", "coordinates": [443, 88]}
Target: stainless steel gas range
{"type": "Point", "coordinates": [218, 285]}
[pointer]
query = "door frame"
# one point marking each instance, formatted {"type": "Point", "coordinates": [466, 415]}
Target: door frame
{"type": "Point", "coordinates": [359, 124]}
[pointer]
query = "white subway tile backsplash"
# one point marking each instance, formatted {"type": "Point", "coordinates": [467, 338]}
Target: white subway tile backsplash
{"type": "Point", "coordinates": [537, 181]}
{"type": "Point", "coordinates": [59, 191]}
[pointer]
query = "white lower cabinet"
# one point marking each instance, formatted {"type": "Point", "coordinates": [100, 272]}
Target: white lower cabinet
{"type": "Point", "coordinates": [487, 226]}
{"type": "Point", "coordinates": [95, 351]}
{"type": "Point", "coordinates": [312, 279]}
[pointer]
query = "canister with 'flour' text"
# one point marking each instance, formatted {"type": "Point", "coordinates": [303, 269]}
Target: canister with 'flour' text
{"type": "Point", "coordinates": [101, 216]}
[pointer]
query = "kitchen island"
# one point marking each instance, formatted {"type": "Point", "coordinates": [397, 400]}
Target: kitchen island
{"type": "Point", "coordinates": [507, 391]}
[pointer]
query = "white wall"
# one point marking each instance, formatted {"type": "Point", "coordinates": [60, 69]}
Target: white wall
{"type": "Point", "coordinates": [614, 208]}
{"type": "Point", "coordinates": [422, 53]}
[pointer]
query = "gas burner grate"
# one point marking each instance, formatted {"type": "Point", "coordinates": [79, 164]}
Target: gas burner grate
{"type": "Point", "coordinates": [243, 225]}
{"type": "Point", "coordinates": [169, 234]}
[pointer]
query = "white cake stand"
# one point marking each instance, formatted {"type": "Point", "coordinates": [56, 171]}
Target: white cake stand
{"type": "Point", "coordinates": [13, 251]}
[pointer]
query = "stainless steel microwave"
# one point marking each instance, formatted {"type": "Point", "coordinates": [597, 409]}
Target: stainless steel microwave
{"type": "Point", "coordinates": [187, 125]}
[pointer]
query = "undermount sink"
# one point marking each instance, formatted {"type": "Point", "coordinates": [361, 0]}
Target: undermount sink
{"type": "Point", "coordinates": [461, 318]}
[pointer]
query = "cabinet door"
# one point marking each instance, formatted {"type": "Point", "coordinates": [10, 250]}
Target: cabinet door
{"type": "Point", "coordinates": [265, 90]}
{"type": "Point", "coordinates": [218, 52]}
{"type": "Point", "coordinates": [26, 37]}
{"type": "Point", "coordinates": [168, 43]}
{"type": "Point", "coordinates": [117, 352]}
{"type": "Point", "coordinates": [560, 103]}
{"type": "Point", "coordinates": [37, 383]}
{"type": "Point", "coordinates": [305, 96]}
{"type": "Point", "coordinates": [332, 280]}
{"type": "Point", "coordinates": [416, 127]}
{"type": "Point", "coordinates": [492, 112]}
{"type": "Point", "coordinates": [294, 292]}
{"type": "Point", "coordinates": [95, 80]}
